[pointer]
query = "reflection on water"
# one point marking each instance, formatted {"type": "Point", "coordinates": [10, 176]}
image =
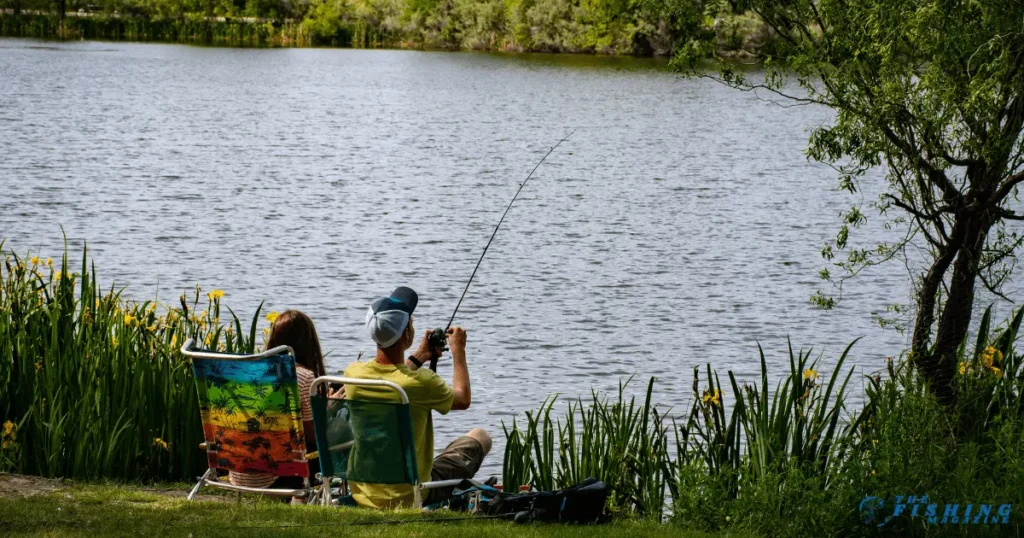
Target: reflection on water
{"type": "Point", "coordinates": [680, 225]}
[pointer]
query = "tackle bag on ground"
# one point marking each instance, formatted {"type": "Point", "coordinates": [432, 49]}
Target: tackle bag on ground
{"type": "Point", "coordinates": [579, 503]}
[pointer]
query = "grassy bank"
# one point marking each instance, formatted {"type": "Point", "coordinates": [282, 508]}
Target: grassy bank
{"type": "Point", "coordinates": [92, 387]}
{"type": "Point", "coordinates": [68, 509]}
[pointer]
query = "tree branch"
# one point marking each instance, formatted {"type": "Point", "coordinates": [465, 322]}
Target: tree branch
{"type": "Point", "coordinates": [936, 176]}
{"type": "Point", "coordinates": [921, 218]}
{"type": "Point", "coordinates": [1008, 215]}
{"type": "Point", "coordinates": [994, 288]}
{"type": "Point", "coordinates": [916, 212]}
{"type": "Point", "coordinates": [1006, 187]}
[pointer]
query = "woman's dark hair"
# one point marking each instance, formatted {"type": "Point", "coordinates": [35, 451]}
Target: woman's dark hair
{"type": "Point", "coordinates": [295, 330]}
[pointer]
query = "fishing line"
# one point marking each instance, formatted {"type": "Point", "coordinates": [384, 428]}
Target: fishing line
{"type": "Point", "coordinates": [439, 336]}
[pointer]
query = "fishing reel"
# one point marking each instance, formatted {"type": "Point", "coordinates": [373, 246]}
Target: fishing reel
{"type": "Point", "coordinates": [437, 340]}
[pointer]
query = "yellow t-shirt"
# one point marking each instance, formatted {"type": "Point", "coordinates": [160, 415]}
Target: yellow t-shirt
{"type": "Point", "coordinates": [426, 391]}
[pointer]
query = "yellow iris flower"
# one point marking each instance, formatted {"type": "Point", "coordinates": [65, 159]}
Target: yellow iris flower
{"type": "Point", "coordinates": [713, 397]}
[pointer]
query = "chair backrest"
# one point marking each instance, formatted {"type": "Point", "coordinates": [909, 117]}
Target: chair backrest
{"type": "Point", "coordinates": [251, 411]}
{"type": "Point", "coordinates": [364, 440]}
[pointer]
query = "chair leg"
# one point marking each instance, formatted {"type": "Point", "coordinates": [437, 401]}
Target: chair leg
{"type": "Point", "coordinates": [199, 484]}
{"type": "Point", "coordinates": [417, 496]}
{"type": "Point", "coordinates": [325, 491]}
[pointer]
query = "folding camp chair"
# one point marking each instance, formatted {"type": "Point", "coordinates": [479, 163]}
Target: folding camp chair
{"type": "Point", "coordinates": [252, 417]}
{"type": "Point", "coordinates": [366, 441]}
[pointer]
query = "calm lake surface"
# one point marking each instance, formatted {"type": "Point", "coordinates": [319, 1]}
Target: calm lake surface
{"type": "Point", "coordinates": [681, 224]}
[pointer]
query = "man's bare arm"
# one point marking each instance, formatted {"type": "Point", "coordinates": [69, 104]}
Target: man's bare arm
{"type": "Point", "coordinates": [460, 376]}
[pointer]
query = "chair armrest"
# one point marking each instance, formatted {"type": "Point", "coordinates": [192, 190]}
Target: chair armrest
{"type": "Point", "coordinates": [446, 483]}
{"type": "Point", "coordinates": [312, 455]}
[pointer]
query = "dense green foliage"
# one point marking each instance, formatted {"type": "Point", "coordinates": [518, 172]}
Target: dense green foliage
{"type": "Point", "coordinates": [92, 385]}
{"type": "Point", "coordinates": [796, 459]}
{"type": "Point", "coordinates": [604, 26]}
{"type": "Point", "coordinates": [929, 95]}
{"type": "Point", "coordinates": [234, 33]}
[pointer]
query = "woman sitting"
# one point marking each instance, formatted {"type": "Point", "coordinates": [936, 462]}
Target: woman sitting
{"type": "Point", "coordinates": [295, 330]}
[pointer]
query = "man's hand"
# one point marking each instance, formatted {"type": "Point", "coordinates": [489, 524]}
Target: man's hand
{"type": "Point", "coordinates": [424, 352]}
{"type": "Point", "coordinates": [456, 340]}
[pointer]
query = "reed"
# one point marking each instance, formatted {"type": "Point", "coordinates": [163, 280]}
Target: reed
{"type": "Point", "coordinates": [989, 379]}
{"type": "Point", "coordinates": [91, 384]}
{"type": "Point", "coordinates": [800, 423]}
{"type": "Point", "coordinates": [620, 442]}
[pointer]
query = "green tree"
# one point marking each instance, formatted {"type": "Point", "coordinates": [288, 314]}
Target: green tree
{"type": "Point", "coordinates": [482, 23]}
{"type": "Point", "coordinates": [932, 93]}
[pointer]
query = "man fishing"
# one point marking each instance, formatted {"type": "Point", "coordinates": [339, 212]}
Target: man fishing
{"type": "Point", "coordinates": [390, 323]}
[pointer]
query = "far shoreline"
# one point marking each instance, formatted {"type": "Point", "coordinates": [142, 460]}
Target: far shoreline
{"type": "Point", "coordinates": [253, 33]}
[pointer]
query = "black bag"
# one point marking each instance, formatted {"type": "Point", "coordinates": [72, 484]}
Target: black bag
{"type": "Point", "coordinates": [579, 503]}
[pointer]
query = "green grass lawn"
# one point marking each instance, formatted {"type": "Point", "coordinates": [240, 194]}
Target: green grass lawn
{"type": "Point", "coordinates": [62, 509]}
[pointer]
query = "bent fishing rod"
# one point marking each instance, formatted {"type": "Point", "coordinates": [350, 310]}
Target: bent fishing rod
{"type": "Point", "coordinates": [438, 337]}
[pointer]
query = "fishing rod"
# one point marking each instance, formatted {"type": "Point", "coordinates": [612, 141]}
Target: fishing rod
{"type": "Point", "coordinates": [438, 337]}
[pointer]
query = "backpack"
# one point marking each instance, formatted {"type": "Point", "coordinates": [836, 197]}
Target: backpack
{"type": "Point", "coordinates": [579, 503]}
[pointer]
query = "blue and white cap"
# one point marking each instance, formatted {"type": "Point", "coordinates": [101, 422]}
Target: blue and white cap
{"type": "Point", "coordinates": [389, 316]}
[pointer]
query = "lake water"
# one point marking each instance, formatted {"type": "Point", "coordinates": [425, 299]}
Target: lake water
{"type": "Point", "coordinates": [681, 224]}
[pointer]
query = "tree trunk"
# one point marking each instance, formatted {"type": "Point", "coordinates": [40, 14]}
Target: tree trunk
{"type": "Point", "coordinates": [927, 296]}
{"type": "Point", "coordinates": [62, 8]}
{"type": "Point", "coordinates": [956, 315]}
{"type": "Point", "coordinates": [17, 8]}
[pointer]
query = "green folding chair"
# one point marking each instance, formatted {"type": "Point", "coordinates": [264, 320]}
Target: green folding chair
{"type": "Point", "coordinates": [252, 421]}
{"type": "Point", "coordinates": [366, 441]}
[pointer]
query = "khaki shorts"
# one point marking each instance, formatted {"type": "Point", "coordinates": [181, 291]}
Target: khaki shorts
{"type": "Point", "coordinates": [460, 459]}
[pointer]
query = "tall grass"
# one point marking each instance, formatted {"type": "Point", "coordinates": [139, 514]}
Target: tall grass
{"type": "Point", "coordinates": [91, 384]}
{"type": "Point", "coordinates": [620, 442]}
{"type": "Point", "coordinates": [797, 421]}
{"type": "Point", "coordinates": [791, 459]}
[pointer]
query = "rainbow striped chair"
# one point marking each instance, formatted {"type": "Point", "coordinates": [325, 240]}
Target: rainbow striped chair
{"type": "Point", "coordinates": [252, 418]}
